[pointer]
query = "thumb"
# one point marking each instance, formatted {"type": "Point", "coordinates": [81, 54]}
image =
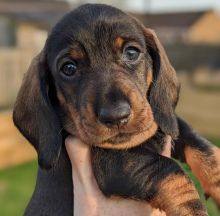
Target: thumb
{"type": "Point", "coordinates": [79, 154]}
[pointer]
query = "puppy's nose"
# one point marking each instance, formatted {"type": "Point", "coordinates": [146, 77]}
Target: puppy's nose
{"type": "Point", "coordinates": [117, 114]}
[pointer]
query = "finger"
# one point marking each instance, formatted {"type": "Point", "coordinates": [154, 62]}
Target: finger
{"type": "Point", "coordinates": [157, 212]}
{"type": "Point", "coordinates": [168, 145]}
{"type": "Point", "coordinates": [78, 151]}
{"type": "Point", "coordinates": [83, 178]}
{"type": "Point", "coordinates": [79, 154]}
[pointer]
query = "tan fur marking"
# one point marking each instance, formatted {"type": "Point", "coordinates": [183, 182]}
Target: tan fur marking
{"type": "Point", "coordinates": [206, 169]}
{"type": "Point", "coordinates": [175, 191]}
{"type": "Point", "coordinates": [135, 139]}
{"type": "Point", "coordinates": [61, 98]}
{"type": "Point", "coordinates": [118, 43]}
{"type": "Point", "coordinates": [77, 54]}
{"type": "Point", "coordinates": [149, 77]}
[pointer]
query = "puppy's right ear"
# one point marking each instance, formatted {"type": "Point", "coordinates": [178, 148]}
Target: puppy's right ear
{"type": "Point", "coordinates": [34, 114]}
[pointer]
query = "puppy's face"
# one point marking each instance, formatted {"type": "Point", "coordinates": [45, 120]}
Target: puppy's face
{"type": "Point", "coordinates": [102, 75]}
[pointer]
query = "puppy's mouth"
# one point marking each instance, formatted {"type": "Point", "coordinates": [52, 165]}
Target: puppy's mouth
{"type": "Point", "coordinates": [129, 140]}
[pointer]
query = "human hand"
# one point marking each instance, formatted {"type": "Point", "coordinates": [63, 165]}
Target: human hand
{"type": "Point", "coordinates": [88, 199]}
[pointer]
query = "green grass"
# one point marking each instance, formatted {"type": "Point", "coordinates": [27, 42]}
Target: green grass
{"type": "Point", "coordinates": [16, 187]}
{"type": "Point", "coordinates": [215, 141]}
{"type": "Point", "coordinates": [17, 184]}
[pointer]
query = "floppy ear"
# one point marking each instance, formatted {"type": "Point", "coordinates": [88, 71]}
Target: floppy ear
{"type": "Point", "coordinates": [35, 116]}
{"type": "Point", "coordinates": [163, 94]}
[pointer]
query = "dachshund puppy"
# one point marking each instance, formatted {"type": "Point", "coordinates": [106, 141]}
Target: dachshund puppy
{"type": "Point", "coordinates": [106, 79]}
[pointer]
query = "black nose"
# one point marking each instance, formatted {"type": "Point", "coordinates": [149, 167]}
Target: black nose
{"type": "Point", "coordinates": [115, 114]}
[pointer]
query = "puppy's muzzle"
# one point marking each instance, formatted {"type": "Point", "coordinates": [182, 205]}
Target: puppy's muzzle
{"type": "Point", "coordinates": [115, 114]}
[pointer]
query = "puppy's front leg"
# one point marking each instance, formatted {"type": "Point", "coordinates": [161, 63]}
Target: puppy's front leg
{"type": "Point", "coordinates": [202, 157]}
{"type": "Point", "coordinates": [142, 175]}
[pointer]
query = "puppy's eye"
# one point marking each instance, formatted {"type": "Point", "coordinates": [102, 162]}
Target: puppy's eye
{"type": "Point", "coordinates": [69, 69]}
{"type": "Point", "coordinates": [131, 53]}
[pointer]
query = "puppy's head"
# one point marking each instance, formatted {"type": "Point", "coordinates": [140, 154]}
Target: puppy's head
{"type": "Point", "coordinates": [102, 77]}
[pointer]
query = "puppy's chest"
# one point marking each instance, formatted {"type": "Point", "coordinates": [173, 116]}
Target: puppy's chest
{"type": "Point", "coordinates": [122, 172]}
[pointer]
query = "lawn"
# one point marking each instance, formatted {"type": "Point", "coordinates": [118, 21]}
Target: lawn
{"type": "Point", "coordinates": [16, 187]}
{"type": "Point", "coordinates": [17, 184]}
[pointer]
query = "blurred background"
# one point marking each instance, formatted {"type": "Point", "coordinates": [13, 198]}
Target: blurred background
{"type": "Point", "coordinates": [190, 32]}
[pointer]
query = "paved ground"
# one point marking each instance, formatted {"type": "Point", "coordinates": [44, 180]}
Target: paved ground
{"type": "Point", "coordinates": [14, 149]}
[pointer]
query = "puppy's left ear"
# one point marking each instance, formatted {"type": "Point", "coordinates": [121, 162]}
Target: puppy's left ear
{"type": "Point", "coordinates": [164, 90]}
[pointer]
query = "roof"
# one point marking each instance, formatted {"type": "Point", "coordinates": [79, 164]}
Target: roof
{"type": "Point", "coordinates": [45, 12]}
{"type": "Point", "coordinates": [178, 19]}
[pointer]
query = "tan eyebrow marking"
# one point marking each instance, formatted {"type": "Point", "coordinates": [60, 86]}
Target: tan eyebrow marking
{"type": "Point", "coordinates": [77, 54]}
{"type": "Point", "coordinates": [118, 43]}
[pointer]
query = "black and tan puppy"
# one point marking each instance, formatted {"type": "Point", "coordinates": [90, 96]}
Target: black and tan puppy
{"type": "Point", "coordinates": [105, 78]}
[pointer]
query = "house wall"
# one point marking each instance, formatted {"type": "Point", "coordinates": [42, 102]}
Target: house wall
{"type": "Point", "coordinates": [7, 36]}
{"type": "Point", "coordinates": [29, 36]}
{"type": "Point", "coordinates": [13, 64]}
{"type": "Point", "coordinates": [206, 29]}
{"type": "Point", "coordinates": [14, 61]}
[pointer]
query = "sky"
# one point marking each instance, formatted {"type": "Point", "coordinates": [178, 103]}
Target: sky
{"type": "Point", "coordinates": [172, 5]}
{"type": "Point", "coordinates": [158, 5]}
